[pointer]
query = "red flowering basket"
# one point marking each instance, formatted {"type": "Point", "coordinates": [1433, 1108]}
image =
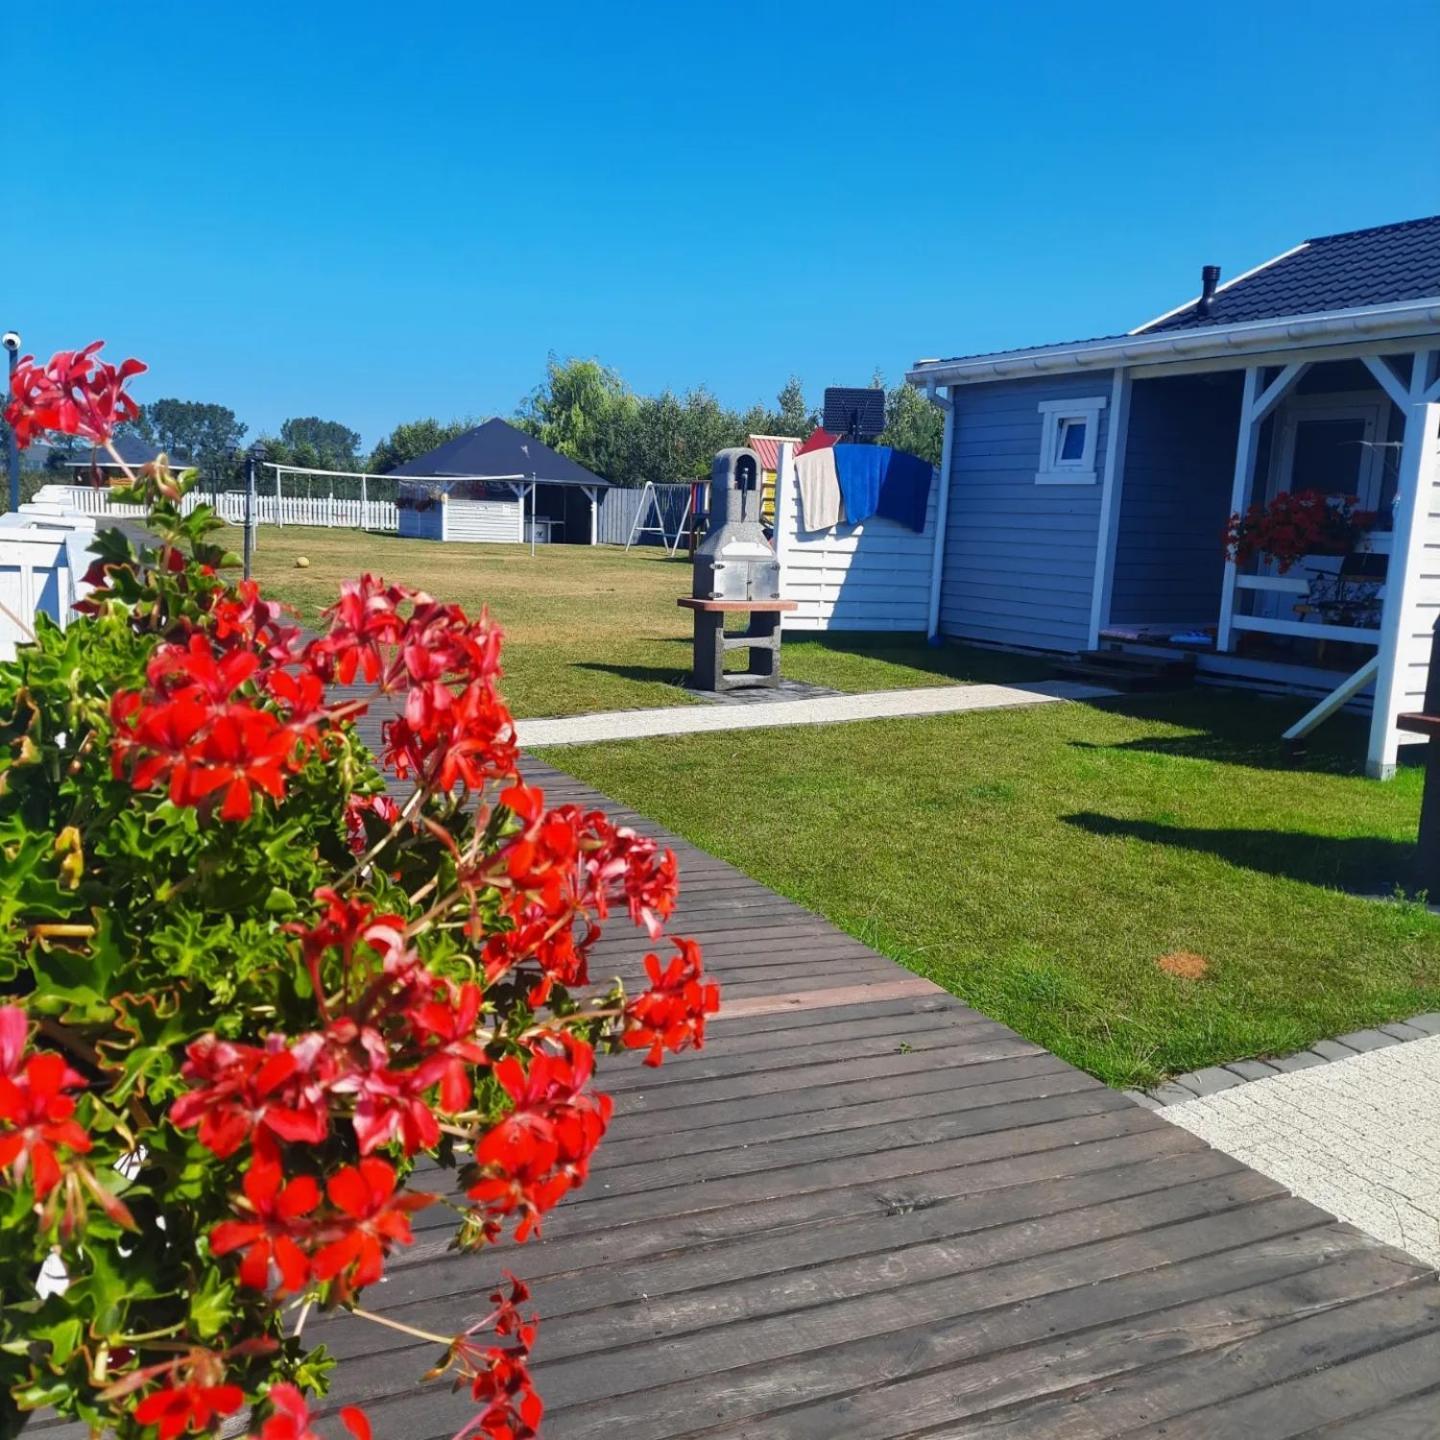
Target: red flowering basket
{"type": "Point", "coordinates": [249, 986]}
{"type": "Point", "coordinates": [1294, 525]}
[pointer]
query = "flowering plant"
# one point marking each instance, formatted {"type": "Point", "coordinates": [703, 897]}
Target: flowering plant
{"type": "Point", "coordinates": [245, 991]}
{"type": "Point", "coordinates": [1291, 526]}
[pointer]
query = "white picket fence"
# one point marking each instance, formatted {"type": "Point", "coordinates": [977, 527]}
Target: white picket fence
{"type": "Point", "coordinates": [327, 511]}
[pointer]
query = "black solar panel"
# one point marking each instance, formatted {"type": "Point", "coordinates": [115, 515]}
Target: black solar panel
{"type": "Point", "coordinates": [858, 414]}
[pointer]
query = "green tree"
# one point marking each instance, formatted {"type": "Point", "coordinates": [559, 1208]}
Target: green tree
{"type": "Point", "coordinates": [201, 433]}
{"type": "Point", "coordinates": [912, 423]}
{"type": "Point", "coordinates": [334, 446]}
{"type": "Point", "coordinates": [582, 409]}
{"type": "Point", "coordinates": [411, 440]}
{"type": "Point", "coordinates": [793, 416]}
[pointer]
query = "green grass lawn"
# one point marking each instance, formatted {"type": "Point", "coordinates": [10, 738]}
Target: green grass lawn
{"type": "Point", "coordinates": [1040, 863]}
{"type": "Point", "coordinates": [593, 628]}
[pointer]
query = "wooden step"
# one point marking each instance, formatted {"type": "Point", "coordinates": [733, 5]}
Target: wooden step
{"type": "Point", "coordinates": [1126, 671]}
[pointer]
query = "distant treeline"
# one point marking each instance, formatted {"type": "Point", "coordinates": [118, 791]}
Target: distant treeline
{"type": "Point", "coordinates": [583, 409]}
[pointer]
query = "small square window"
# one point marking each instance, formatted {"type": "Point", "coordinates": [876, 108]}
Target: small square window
{"type": "Point", "coordinates": [1072, 441]}
{"type": "Point", "coordinates": [1070, 430]}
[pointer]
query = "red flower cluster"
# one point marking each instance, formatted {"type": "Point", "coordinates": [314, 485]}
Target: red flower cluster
{"type": "Point", "coordinates": [1292, 526]}
{"type": "Point", "coordinates": [290, 1417]}
{"type": "Point", "coordinates": [542, 1148]}
{"type": "Point", "coordinates": [190, 1405]}
{"type": "Point", "coordinates": [75, 394]}
{"type": "Point", "coordinates": [499, 1375]}
{"type": "Point", "coordinates": [36, 1115]}
{"type": "Point", "coordinates": [671, 1014]}
{"type": "Point", "coordinates": [557, 877]}
{"type": "Point", "coordinates": [190, 727]}
{"type": "Point", "coordinates": [286, 1244]}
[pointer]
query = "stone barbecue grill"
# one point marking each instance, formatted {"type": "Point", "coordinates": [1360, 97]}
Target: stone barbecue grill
{"type": "Point", "coordinates": [736, 571]}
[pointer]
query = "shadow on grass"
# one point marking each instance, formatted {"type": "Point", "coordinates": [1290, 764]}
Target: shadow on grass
{"type": "Point", "coordinates": [1233, 728]}
{"type": "Point", "coordinates": [1359, 864]}
{"type": "Point", "coordinates": [946, 661]}
{"type": "Point", "coordinates": [646, 674]}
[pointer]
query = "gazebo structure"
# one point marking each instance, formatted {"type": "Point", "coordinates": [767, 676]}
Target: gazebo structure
{"type": "Point", "coordinates": [131, 449]}
{"type": "Point", "coordinates": [495, 482]}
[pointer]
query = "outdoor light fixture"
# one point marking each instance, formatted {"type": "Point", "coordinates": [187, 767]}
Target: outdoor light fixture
{"type": "Point", "coordinates": [11, 341]}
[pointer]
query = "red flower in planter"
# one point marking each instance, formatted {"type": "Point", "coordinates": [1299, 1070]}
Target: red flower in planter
{"type": "Point", "coordinates": [75, 394]}
{"type": "Point", "coordinates": [450, 1026]}
{"type": "Point", "coordinates": [273, 1237]}
{"type": "Point", "coordinates": [190, 1406]}
{"type": "Point", "coordinates": [372, 1219]}
{"type": "Point", "coordinates": [36, 1115]}
{"type": "Point", "coordinates": [290, 1418]}
{"type": "Point", "coordinates": [248, 1094]}
{"type": "Point", "coordinates": [671, 1014]}
{"type": "Point", "coordinates": [542, 1148]}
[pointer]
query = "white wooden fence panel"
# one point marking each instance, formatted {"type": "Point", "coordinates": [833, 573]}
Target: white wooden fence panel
{"type": "Point", "coordinates": [320, 510]}
{"type": "Point", "coordinates": [871, 576]}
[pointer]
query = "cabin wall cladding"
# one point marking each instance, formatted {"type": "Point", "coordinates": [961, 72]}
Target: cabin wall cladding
{"type": "Point", "coordinates": [1179, 468]}
{"type": "Point", "coordinates": [483, 520]}
{"type": "Point", "coordinates": [870, 576]}
{"type": "Point", "coordinates": [1412, 655]}
{"type": "Point", "coordinates": [1019, 556]}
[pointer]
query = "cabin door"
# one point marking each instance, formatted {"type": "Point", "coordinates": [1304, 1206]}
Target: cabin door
{"type": "Point", "coordinates": [1330, 443]}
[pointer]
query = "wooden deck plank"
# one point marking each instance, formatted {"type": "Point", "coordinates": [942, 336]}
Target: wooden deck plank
{"type": "Point", "coordinates": [864, 1210]}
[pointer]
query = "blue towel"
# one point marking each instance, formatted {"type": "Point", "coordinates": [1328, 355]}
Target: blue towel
{"type": "Point", "coordinates": [905, 490]}
{"type": "Point", "coordinates": [860, 470]}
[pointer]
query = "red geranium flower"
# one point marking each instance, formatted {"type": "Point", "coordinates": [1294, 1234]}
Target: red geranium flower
{"type": "Point", "coordinates": [75, 394]}
{"type": "Point", "coordinates": [246, 1093]}
{"type": "Point", "coordinates": [290, 1418]}
{"type": "Point", "coordinates": [193, 1405]}
{"type": "Point", "coordinates": [373, 1218]}
{"type": "Point", "coordinates": [35, 1116]}
{"type": "Point", "coordinates": [671, 1014]}
{"type": "Point", "coordinates": [272, 1237]}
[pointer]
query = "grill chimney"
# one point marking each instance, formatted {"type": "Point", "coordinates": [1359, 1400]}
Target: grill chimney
{"type": "Point", "coordinates": [1209, 279]}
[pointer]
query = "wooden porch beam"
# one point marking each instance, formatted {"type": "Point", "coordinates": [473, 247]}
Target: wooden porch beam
{"type": "Point", "coordinates": [1239, 496]}
{"type": "Point", "coordinates": [1277, 389]}
{"type": "Point", "coordinates": [1341, 695]}
{"type": "Point", "coordinates": [1116, 435]}
{"type": "Point", "coordinates": [1387, 379]}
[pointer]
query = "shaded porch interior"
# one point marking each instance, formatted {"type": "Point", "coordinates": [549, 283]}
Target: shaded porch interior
{"type": "Point", "coordinates": [1335, 430]}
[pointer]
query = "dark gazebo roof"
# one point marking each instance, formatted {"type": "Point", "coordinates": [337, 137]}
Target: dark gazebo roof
{"type": "Point", "coordinates": [133, 451]}
{"type": "Point", "coordinates": [497, 449]}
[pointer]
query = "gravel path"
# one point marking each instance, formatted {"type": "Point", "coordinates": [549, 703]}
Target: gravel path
{"type": "Point", "coordinates": [826, 710]}
{"type": "Point", "coordinates": [1359, 1138]}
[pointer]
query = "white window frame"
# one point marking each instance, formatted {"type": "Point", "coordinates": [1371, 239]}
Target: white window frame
{"type": "Point", "coordinates": [1054, 413]}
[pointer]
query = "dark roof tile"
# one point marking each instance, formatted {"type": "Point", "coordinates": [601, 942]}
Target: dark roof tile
{"type": "Point", "coordinates": [1380, 266]}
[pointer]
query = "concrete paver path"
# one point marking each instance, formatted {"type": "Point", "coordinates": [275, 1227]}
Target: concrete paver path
{"type": "Point", "coordinates": [1360, 1138]}
{"type": "Point", "coordinates": [826, 710]}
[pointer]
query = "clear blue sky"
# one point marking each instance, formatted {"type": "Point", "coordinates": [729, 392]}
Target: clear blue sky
{"type": "Point", "coordinates": [373, 212]}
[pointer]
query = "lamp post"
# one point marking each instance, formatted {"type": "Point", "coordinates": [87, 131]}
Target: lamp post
{"type": "Point", "coordinates": [254, 458]}
{"type": "Point", "coordinates": [11, 341]}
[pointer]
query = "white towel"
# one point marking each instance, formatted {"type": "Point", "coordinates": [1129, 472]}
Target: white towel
{"type": "Point", "coordinates": [820, 503]}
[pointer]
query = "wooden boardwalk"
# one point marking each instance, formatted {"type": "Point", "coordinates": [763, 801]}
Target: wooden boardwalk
{"type": "Point", "coordinates": [863, 1210]}
{"type": "Point", "coordinates": [866, 1211]}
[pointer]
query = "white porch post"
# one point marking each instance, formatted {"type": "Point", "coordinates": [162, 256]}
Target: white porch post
{"type": "Point", "coordinates": [1255, 405]}
{"type": "Point", "coordinates": [1116, 435]}
{"type": "Point", "coordinates": [942, 510]}
{"type": "Point", "coordinates": [594, 495]}
{"type": "Point", "coordinates": [1239, 498]}
{"type": "Point", "coordinates": [1404, 643]}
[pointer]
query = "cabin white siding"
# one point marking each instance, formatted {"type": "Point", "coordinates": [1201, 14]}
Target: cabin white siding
{"type": "Point", "coordinates": [500, 520]}
{"type": "Point", "coordinates": [1421, 601]}
{"type": "Point", "coordinates": [870, 576]}
{"type": "Point", "coordinates": [1019, 556]}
